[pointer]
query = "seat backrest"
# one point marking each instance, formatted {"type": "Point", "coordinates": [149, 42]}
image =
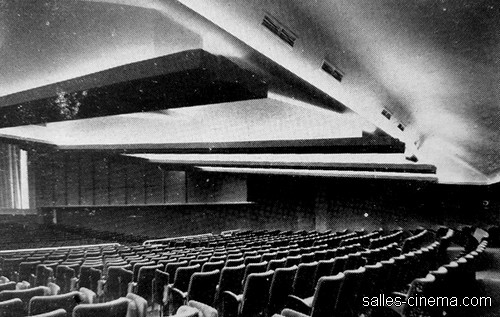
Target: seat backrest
{"type": "Point", "coordinates": [12, 308]}
{"type": "Point", "coordinates": [353, 261]}
{"type": "Point", "coordinates": [307, 257]}
{"type": "Point", "coordinates": [230, 279]}
{"type": "Point", "coordinates": [339, 264]}
{"type": "Point", "coordinates": [303, 283]}
{"type": "Point", "coordinates": [170, 268]}
{"type": "Point", "coordinates": [420, 287]}
{"type": "Point", "coordinates": [43, 274]}
{"type": "Point", "coordinates": [138, 266]}
{"type": "Point", "coordinates": [371, 277]}
{"type": "Point", "coordinates": [145, 281]}
{"type": "Point", "coordinates": [235, 262]}
{"type": "Point", "coordinates": [202, 286]}
{"type": "Point", "coordinates": [25, 295]}
{"type": "Point", "coordinates": [94, 277]}
{"type": "Point", "coordinates": [159, 284]}
{"type": "Point", "coordinates": [269, 256]}
{"type": "Point", "coordinates": [26, 269]}
{"type": "Point", "coordinates": [325, 268]}
{"type": "Point", "coordinates": [217, 258]}
{"type": "Point", "coordinates": [117, 282]}
{"type": "Point", "coordinates": [281, 287]}
{"type": "Point", "coordinates": [183, 276]}
{"type": "Point", "coordinates": [292, 260]}
{"type": "Point", "coordinates": [8, 286]}
{"type": "Point", "coordinates": [276, 264]}
{"type": "Point", "coordinates": [252, 259]}
{"type": "Point", "coordinates": [256, 294]}
{"type": "Point", "coordinates": [326, 295]}
{"type": "Point", "coordinates": [45, 304]}
{"type": "Point", "coordinates": [254, 268]}
{"type": "Point", "coordinates": [210, 266]}
{"type": "Point", "coordinates": [10, 266]}
{"type": "Point", "coordinates": [349, 290]}
{"type": "Point", "coordinates": [199, 261]}
{"type": "Point", "coordinates": [63, 277]}
{"type": "Point", "coordinates": [115, 308]}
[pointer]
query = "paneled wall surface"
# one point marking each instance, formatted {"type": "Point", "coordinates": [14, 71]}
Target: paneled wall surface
{"type": "Point", "coordinates": [176, 220]}
{"type": "Point", "coordinates": [109, 194]}
{"type": "Point", "coordinates": [93, 179]}
{"type": "Point", "coordinates": [349, 203]}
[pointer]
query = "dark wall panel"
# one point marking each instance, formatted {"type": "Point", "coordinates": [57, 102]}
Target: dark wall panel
{"type": "Point", "coordinates": [73, 180]}
{"type": "Point", "coordinates": [101, 178]}
{"type": "Point", "coordinates": [175, 186]}
{"type": "Point", "coordinates": [94, 179]}
{"type": "Point", "coordinates": [117, 182]}
{"type": "Point", "coordinates": [153, 177]}
{"type": "Point", "coordinates": [58, 169]}
{"type": "Point", "coordinates": [87, 175]}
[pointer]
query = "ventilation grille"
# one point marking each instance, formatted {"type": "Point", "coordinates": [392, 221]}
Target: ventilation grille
{"type": "Point", "coordinates": [332, 70]}
{"type": "Point", "coordinates": [386, 114]}
{"type": "Point", "coordinates": [401, 127]}
{"type": "Point", "coordinates": [279, 30]}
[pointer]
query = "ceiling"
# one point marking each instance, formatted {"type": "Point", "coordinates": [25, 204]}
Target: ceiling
{"type": "Point", "coordinates": [435, 65]}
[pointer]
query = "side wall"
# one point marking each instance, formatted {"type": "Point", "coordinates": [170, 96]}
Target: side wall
{"type": "Point", "coordinates": [305, 203]}
{"type": "Point", "coordinates": [65, 179]}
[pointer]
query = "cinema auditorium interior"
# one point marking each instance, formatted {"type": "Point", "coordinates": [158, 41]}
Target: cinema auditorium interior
{"type": "Point", "coordinates": [249, 158]}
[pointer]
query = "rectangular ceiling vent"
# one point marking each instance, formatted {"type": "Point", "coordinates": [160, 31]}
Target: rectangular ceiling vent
{"type": "Point", "coordinates": [331, 70]}
{"type": "Point", "coordinates": [401, 127]}
{"type": "Point", "coordinates": [387, 114]}
{"type": "Point", "coordinates": [279, 30]}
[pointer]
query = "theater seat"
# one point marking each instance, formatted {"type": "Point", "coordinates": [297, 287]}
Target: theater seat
{"type": "Point", "coordinates": [253, 300]}
{"type": "Point", "coordinates": [419, 287]}
{"type": "Point", "coordinates": [181, 282]}
{"type": "Point", "coordinates": [144, 285]}
{"type": "Point", "coordinates": [201, 289]}
{"type": "Point", "coordinates": [303, 283]}
{"type": "Point", "coordinates": [230, 280]}
{"type": "Point", "coordinates": [160, 284]}
{"type": "Point", "coordinates": [347, 299]}
{"type": "Point", "coordinates": [44, 304]}
{"type": "Point", "coordinates": [115, 308]}
{"type": "Point", "coordinates": [25, 295]}
{"type": "Point", "coordinates": [322, 303]}
{"type": "Point", "coordinates": [281, 287]}
{"type": "Point", "coordinates": [12, 308]}
{"type": "Point", "coordinates": [8, 286]}
{"type": "Point", "coordinates": [63, 277]}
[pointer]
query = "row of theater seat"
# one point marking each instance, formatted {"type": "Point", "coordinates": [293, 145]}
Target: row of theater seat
{"type": "Point", "coordinates": [95, 254]}
{"type": "Point", "coordinates": [170, 274]}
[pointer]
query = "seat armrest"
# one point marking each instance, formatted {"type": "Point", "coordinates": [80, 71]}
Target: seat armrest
{"type": "Point", "coordinates": [237, 298]}
{"type": "Point", "coordinates": [32, 280]}
{"type": "Point", "coordinates": [101, 287]}
{"type": "Point", "coordinates": [399, 295]}
{"type": "Point", "coordinates": [298, 304]}
{"type": "Point", "coordinates": [90, 296]}
{"type": "Point", "coordinates": [292, 313]}
{"type": "Point", "coordinates": [177, 292]}
{"type": "Point", "coordinates": [74, 284]}
{"type": "Point", "coordinates": [132, 287]}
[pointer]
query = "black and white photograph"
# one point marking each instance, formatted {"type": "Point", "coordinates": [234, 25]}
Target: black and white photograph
{"type": "Point", "coordinates": [249, 158]}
